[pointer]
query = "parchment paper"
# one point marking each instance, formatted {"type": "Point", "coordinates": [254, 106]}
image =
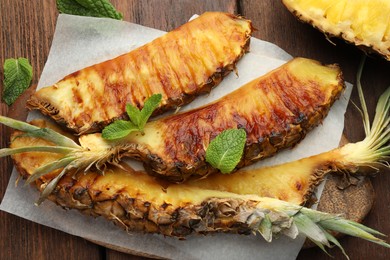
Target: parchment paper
{"type": "Point", "coordinates": [81, 41]}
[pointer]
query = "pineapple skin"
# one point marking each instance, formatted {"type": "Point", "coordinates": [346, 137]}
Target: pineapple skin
{"type": "Point", "coordinates": [363, 23]}
{"type": "Point", "coordinates": [276, 111]}
{"type": "Point", "coordinates": [180, 65]}
{"type": "Point", "coordinates": [138, 202]}
{"type": "Point", "coordinates": [208, 211]}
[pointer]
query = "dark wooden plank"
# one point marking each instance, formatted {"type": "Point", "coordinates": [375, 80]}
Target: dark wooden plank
{"type": "Point", "coordinates": [27, 28]}
{"type": "Point", "coordinates": [275, 24]}
{"type": "Point", "coordinates": [26, 31]}
{"type": "Point", "coordinates": [169, 14]}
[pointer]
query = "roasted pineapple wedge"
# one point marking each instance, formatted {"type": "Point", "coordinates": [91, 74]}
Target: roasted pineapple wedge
{"type": "Point", "coordinates": [295, 181]}
{"type": "Point", "coordinates": [179, 65]}
{"type": "Point", "coordinates": [276, 110]}
{"type": "Point", "coordinates": [361, 22]}
{"type": "Point", "coordinates": [137, 202]}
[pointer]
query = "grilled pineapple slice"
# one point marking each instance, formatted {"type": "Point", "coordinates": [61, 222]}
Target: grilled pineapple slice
{"type": "Point", "coordinates": [365, 23]}
{"type": "Point", "coordinates": [295, 181]}
{"type": "Point", "coordinates": [276, 110]}
{"type": "Point", "coordinates": [137, 202]}
{"type": "Point", "coordinates": [179, 65]}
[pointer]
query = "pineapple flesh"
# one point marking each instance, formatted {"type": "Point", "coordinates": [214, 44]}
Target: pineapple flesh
{"type": "Point", "coordinates": [276, 110]}
{"type": "Point", "coordinates": [360, 22]}
{"type": "Point", "coordinates": [181, 64]}
{"type": "Point", "coordinates": [138, 202]}
{"type": "Point", "coordinates": [294, 181]}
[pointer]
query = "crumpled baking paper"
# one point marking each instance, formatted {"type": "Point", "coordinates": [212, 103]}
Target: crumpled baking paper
{"type": "Point", "coordinates": [82, 41]}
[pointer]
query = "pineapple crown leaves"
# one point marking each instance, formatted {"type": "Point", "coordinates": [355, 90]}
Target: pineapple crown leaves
{"type": "Point", "coordinates": [45, 133]}
{"type": "Point", "coordinates": [75, 156]}
{"type": "Point", "coordinates": [375, 148]}
{"type": "Point", "coordinates": [62, 145]}
{"type": "Point", "coordinates": [273, 216]}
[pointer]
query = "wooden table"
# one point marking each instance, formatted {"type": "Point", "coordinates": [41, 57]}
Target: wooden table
{"type": "Point", "coordinates": [27, 29]}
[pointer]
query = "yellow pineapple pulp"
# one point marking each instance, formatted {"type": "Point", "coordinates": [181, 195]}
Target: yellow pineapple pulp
{"type": "Point", "coordinates": [365, 23]}
{"type": "Point", "coordinates": [293, 182]}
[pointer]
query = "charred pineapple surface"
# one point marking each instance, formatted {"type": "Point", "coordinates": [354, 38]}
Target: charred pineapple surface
{"type": "Point", "coordinates": [183, 63]}
{"type": "Point", "coordinates": [136, 201]}
{"type": "Point", "coordinates": [276, 110]}
{"type": "Point", "coordinates": [363, 23]}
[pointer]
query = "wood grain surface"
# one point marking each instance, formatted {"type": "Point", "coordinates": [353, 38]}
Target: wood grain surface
{"type": "Point", "coordinates": [27, 29]}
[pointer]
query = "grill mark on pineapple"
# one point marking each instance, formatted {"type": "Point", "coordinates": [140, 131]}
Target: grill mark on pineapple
{"type": "Point", "coordinates": [298, 186]}
{"type": "Point", "coordinates": [216, 47]}
{"type": "Point", "coordinates": [76, 96]}
{"type": "Point", "coordinates": [188, 70]}
{"type": "Point", "coordinates": [128, 92]}
{"type": "Point", "coordinates": [289, 99]}
{"type": "Point", "coordinates": [139, 63]}
{"type": "Point", "coordinates": [265, 103]}
{"type": "Point", "coordinates": [154, 77]}
{"type": "Point", "coordinates": [211, 52]}
{"type": "Point", "coordinates": [104, 71]}
{"type": "Point", "coordinates": [196, 60]}
{"type": "Point", "coordinates": [168, 79]}
{"type": "Point", "coordinates": [224, 37]}
{"type": "Point", "coordinates": [184, 134]}
{"type": "Point", "coordinates": [300, 112]}
{"type": "Point", "coordinates": [308, 95]}
{"type": "Point", "coordinates": [84, 114]}
{"type": "Point", "coordinates": [184, 72]}
{"type": "Point", "coordinates": [136, 85]}
{"type": "Point", "coordinates": [277, 112]}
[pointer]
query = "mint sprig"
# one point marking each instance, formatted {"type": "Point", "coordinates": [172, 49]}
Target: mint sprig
{"type": "Point", "coordinates": [138, 118]}
{"type": "Point", "coordinates": [95, 8]}
{"type": "Point", "coordinates": [225, 151]}
{"type": "Point", "coordinates": [17, 78]}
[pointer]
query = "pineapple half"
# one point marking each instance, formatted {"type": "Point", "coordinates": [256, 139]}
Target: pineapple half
{"type": "Point", "coordinates": [365, 23]}
{"type": "Point", "coordinates": [138, 202]}
{"type": "Point", "coordinates": [276, 110]}
{"type": "Point", "coordinates": [179, 65]}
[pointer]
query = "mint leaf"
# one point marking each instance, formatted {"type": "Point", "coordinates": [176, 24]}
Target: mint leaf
{"type": "Point", "coordinates": [138, 119]}
{"type": "Point", "coordinates": [17, 78]}
{"type": "Point", "coordinates": [95, 8]}
{"type": "Point", "coordinates": [134, 114]}
{"type": "Point", "coordinates": [225, 151]}
{"type": "Point", "coordinates": [118, 129]}
{"type": "Point", "coordinates": [150, 105]}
